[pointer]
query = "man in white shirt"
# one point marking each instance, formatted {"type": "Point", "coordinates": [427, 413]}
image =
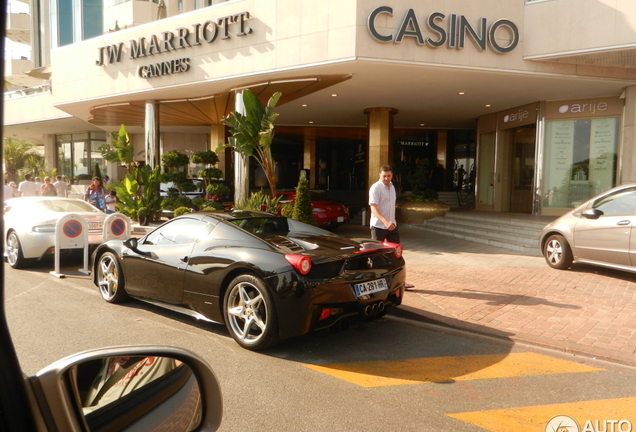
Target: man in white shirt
{"type": "Point", "coordinates": [382, 202]}
{"type": "Point", "coordinates": [38, 183]}
{"type": "Point", "coordinates": [61, 187]}
{"type": "Point", "coordinates": [382, 199]}
{"type": "Point", "coordinates": [28, 188]}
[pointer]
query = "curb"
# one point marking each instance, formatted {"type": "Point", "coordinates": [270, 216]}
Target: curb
{"type": "Point", "coordinates": [409, 314]}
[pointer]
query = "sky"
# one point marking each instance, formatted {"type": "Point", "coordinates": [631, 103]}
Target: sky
{"type": "Point", "coordinates": [13, 49]}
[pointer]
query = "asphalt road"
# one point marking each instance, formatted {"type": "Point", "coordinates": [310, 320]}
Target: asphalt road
{"type": "Point", "coordinates": [386, 374]}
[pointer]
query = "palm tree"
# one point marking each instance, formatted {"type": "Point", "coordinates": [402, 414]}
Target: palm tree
{"type": "Point", "coordinates": [253, 133]}
{"type": "Point", "coordinates": [34, 164]}
{"type": "Point", "coordinates": [16, 154]}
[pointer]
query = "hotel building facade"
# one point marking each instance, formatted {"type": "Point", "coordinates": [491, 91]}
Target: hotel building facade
{"type": "Point", "coordinates": [537, 99]}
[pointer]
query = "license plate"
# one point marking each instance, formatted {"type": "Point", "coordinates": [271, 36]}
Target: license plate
{"type": "Point", "coordinates": [340, 218]}
{"type": "Point", "coordinates": [371, 287]}
{"type": "Point", "coordinates": [95, 225]}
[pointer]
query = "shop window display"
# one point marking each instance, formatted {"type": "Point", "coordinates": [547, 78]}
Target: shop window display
{"type": "Point", "coordinates": [580, 160]}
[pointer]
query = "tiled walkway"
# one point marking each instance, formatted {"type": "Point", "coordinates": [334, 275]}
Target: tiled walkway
{"type": "Point", "coordinates": [586, 310]}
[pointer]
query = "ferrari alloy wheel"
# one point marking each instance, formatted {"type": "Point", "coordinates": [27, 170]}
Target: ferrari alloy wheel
{"type": "Point", "coordinates": [110, 278]}
{"type": "Point", "coordinates": [557, 252]}
{"type": "Point", "coordinates": [14, 251]}
{"type": "Point", "coordinates": [249, 313]}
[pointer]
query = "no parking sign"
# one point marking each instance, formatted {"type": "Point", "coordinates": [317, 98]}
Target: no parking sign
{"type": "Point", "coordinates": [116, 227]}
{"type": "Point", "coordinates": [71, 232]}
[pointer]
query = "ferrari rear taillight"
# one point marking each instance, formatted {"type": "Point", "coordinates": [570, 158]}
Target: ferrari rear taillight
{"type": "Point", "coordinates": [300, 263]}
{"type": "Point", "coordinates": [397, 248]}
{"type": "Point", "coordinates": [324, 314]}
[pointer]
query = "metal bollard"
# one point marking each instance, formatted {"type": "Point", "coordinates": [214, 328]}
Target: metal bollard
{"type": "Point", "coordinates": [364, 217]}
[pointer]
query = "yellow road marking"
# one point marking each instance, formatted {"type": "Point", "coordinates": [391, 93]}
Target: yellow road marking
{"type": "Point", "coordinates": [535, 418]}
{"type": "Point", "coordinates": [444, 369]}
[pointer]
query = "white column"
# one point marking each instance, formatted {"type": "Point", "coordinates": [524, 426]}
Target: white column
{"type": "Point", "coordinates": [241, 163]}
{"type": "Point", "coordinates": [151, 129]}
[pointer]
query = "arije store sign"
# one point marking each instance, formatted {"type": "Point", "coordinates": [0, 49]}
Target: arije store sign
{"type": "Point", "coordinates": [450, 30]}
{"type": "Point", "coordinates": [168, 41]}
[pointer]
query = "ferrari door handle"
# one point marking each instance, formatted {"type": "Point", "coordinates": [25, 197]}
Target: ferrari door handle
{"type": "Point", "coordinates": [184, 259]}
{"type": "Point", "coordinates": [623, 222]}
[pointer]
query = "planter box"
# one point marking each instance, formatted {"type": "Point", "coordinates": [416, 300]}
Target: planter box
{"type": "Point", "coordinates": [416, 213]}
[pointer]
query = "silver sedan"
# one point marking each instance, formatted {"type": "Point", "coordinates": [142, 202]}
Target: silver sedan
{"type": "Point", "coordinates": [29, 225]}
{"type": "Point", "coordinates": [597, 232]}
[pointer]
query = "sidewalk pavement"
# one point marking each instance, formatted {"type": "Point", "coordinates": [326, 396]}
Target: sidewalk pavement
{"type": "Point", "coordinates": [588, 311]}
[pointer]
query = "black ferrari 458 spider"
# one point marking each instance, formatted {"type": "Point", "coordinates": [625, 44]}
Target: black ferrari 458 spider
{"type": "Point", "coordinates": [266, 277]}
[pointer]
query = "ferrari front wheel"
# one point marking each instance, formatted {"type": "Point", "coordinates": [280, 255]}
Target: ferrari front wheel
{"type": "Point", "coordinates": [110, 278]}
{"type": "Point", "coordinates": [249, 313]}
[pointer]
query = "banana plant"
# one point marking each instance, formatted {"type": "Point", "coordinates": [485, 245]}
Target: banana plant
{"type": "Point", "coordinates": [252, 134]}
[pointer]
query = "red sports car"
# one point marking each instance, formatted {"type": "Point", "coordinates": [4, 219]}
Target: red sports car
{"type": "Point", "coordinates": [328, 213]}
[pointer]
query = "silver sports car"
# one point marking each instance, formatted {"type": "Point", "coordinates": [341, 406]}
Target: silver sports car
{"type": "Point", "coordinates": [598, 232]}
{"type": "Point", "coordinates": [29, 225]}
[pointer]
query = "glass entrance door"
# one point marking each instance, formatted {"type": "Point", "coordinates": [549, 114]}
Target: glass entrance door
{"type": "Point", "coordinates": [522, 168]}
{"type": "Point", "coordinates": [486, 172]}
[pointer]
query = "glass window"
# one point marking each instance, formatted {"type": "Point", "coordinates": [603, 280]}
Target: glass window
{"type": "Point", "coordinates": [78, 153]}
{"type": "Point", "coordinates": [92, 25]}
{"type": "Point", "coordinates": [64, 158]}
{"type": "Point", "coordinates": [65, 22]}
{"type": "Point", "coordinates": [619, 204]}
{"type": "Point", "coordinates": [580, 160]}
{"type": "Point", "coordinates": [179, 231]}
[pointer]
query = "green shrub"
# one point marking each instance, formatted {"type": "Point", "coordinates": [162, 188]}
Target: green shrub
{"type": "Point", "coordinates": [431, 195]}
{"type": "Point", "coordinates": [287, 210]}
{"type": "Point", "coordinates": [173, 203]}
{"type": "Point", "coordinates": [208, 157]}
{"type": "Point", "coordinates": [259, 201]}
{"type": "Point", "coordinates": [302, 208]}
{"type": "Point", "coordinates": [217, 189]}
{"type": "Point", "coordinates": [198, 201]}
{"type": "Point", "coordinates": [181, 211]}
{"type": "Point", "coordinates": [210, 173]}
{"type": "Point", "coordinates": [212, 206]}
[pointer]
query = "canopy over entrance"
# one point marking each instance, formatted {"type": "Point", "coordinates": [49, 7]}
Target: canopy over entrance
{"type": "Point", "coordinates": [211, 109]}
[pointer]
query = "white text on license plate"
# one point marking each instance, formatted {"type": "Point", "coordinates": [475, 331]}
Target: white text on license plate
{"type": "Point", "coordinates": [340, 218]}
{"type": "Point", "coordinates": [371, 287]}
{"type": "Point", "coordinates": [95, 225]}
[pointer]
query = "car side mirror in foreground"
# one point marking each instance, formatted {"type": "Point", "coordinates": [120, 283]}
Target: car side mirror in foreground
{"type": "Point", "coordinates": [592, 213]}
{"type": "Point", "coordinates": [144, 388]}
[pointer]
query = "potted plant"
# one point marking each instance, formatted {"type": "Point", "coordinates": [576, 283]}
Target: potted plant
{"type": "Point", "coordinates": [422, 203]}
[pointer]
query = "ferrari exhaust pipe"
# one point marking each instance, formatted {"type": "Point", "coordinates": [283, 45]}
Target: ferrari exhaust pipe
{"type": "Point", "coordinates": [367, 310]}
{"type": "Point", "coordinates": [381, 307]}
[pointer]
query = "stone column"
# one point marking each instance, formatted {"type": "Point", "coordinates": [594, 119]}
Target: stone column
{"type": "Point", "coordinates": [50, 151]}
{"type": "Point", "coordinates": [151, 130]}
{"type": "Point", "coordinates": [380, 141]}
{"type": "Point", "coordinates": [309, 156]}
{"type": "Point", "coordinates": [627, 155]}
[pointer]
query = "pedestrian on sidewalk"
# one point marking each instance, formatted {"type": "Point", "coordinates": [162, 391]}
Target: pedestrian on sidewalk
{"type": "Point", "coordinates": [60, 186]}
{"type": "Point", "coordinates": [382, 199]}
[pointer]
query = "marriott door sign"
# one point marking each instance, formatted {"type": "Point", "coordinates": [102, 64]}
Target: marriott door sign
{"type": "Point", "coordinates": [449, 30]}
{"type": "Point", "coordinates": [184, 37]}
